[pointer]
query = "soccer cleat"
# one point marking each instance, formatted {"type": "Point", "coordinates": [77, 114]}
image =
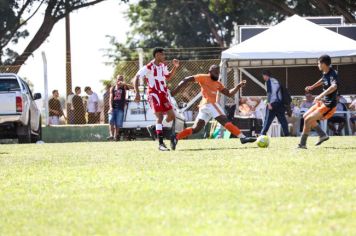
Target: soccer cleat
{"type": "Point", "coordinates": [301, 146]}
{"type": "Point", "coordinates": [110, 138]}
{"type": "Point", "coordinates": [248, 140]}
{"type": "Point", "coordinates": [151, 131]}
{"type": "Point", "coordinates": [174, 141]}
{"type": "Point", "coordinates": [163, 147]}
{"type": "Point", "coordinates": [322, 139]}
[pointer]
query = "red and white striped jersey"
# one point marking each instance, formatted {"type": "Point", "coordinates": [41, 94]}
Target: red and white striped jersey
{"type": "Point", "coordinates": [155, 77]}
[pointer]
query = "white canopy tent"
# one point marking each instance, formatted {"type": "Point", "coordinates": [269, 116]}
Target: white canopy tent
{"type": "Point", "coordinates": [293, 42]}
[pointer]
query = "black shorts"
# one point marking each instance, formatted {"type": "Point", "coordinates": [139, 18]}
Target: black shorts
{"type": "Point", "coordinates": [337, 119]}
{"type": "Point", "coordinates": [353, 120]}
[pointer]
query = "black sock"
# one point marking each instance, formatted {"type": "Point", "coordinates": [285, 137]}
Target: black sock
{"type": "Point", "coordinates": [303, 139]}
{"type": "Point", "coordinates": [320, 132]}
{"type": "Point", "coordinates": [160, 138]}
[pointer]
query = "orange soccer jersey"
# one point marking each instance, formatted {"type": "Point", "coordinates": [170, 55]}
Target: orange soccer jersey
{"type": "Point", "coordinates": [209, 88]}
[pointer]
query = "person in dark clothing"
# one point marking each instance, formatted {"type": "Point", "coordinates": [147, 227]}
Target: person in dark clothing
{"type": "Point", "coordinates": [55, 109]}
{"type": "Point", "coordinates": [325, 103]}
{"type": "Point", "coordinates": [117, 102]}
{"type": "Point", "coordinates": [78, 107]}
{"type": "Point", "coordinates": [275, 106]}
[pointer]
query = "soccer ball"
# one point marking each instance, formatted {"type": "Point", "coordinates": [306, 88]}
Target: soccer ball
{"type": "Point", "coordinates": [263, 141]}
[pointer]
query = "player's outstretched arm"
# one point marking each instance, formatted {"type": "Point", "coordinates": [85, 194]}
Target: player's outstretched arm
{"type": "Point", "coordinates": [182, 84]}
{"type": "Point", "coordinates": [314, 86]}
{"type": "Point", "coordinates": [174, 69]}
{"type": "Point", "coordinates": [232, 92]}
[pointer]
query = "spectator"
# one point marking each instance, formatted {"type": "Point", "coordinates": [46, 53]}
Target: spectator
{"type": "Point", "coordinates": [353, 118]}
{"type": "Point", "coordinates": [293, 119]}
{"type": "Point", "coordinates": [337, 122]}
{"type": "Point", "coordinates": [343, 100]}
{"type": "Point", "coordinates": [260, 110]}
{"type": "Point", "coordinates": [70, 108]}
{"type": "Point", "coordinates": [55, 108]}
{"type": "Point", "coordinates": [308, 103]}
{"type": "Point", "coordinates": [106, 98]}
{"type": "Point", "coordinates": [117, 102]}
{"type": "Point", "coordinates": [78, 107]}
{"type": "Point", "coordinates": [275, 106]}
{"type": "Point", "coordinates": [92, 106]}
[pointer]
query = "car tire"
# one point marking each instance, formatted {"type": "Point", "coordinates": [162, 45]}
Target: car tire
{"type": "Point", "coordinates": [38, 136]}
{"type": "Point", "coordinates": [25, 137]}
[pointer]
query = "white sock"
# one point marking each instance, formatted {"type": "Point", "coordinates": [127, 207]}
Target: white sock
{"type": "Point", "coordinates": [159, 127]}
{"type": "Point", "coordinates": [241, 135]}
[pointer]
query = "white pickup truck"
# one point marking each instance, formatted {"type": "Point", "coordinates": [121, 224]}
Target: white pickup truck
{"type": "Point", "coordinates": [20, 118]}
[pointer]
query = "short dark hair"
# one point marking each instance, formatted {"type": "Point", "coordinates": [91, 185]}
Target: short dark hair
{"type": "Point", "coordinates": [325, 59]}
{"type": "Point", "coordinates": [266, 72]}
{"type": "Point", "coordinates": [54, 91]}
{"type": "Point", "coordinates": [87, 88]}
{"type": "Point", "coordinates": [76, 88]}
{"type": "Point", "coordinates": [213, 67]}
{"type": "Point", "coordinates": [156, 50]}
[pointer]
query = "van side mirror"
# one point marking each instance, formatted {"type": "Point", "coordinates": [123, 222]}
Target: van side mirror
{"type": "Point", "coordinates": [37, 96]}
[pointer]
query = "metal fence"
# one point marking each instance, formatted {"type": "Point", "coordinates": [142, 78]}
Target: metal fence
{"type": "Point", "coordinates": [75, 107]}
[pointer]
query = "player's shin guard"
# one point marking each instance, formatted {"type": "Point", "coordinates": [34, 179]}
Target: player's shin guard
{"type": "Point", "coordinates": [159, 132]}
{"type": "Point", "coordinates": [185, 133]}
{"type": "Point", "coordinates": [234, 130]}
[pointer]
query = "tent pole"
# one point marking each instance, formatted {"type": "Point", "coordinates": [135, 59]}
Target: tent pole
{"type": "Point", "coordinates": [237, 95]}
{"type": "Point", "coordinates": [223, 79]}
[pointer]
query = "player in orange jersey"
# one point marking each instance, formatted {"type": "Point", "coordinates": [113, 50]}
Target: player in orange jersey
{"type": "Point", "coordinates": [209, 108]}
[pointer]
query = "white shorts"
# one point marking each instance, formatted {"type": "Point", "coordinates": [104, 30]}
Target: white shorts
{"type": "Point", "coordinates": [208, 111]}
{"type": "Point", "coordinates": [53, 120]}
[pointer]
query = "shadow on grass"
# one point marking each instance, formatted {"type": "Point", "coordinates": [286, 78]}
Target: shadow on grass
{"type": "Point", "coordinates": [4, 153]}
{"type": "Point", "coordinates": [340, 148]}
{"type": "Point", "coordinates": [215, 149]}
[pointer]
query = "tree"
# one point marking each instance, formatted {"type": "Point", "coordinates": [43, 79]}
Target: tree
{"type": "Point", "coordinates": [209, 24]}
{"type": "Point", "coordinates": [14, 14]}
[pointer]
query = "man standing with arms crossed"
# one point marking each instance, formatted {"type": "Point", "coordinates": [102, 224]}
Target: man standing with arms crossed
{"type": "Point", "coordinates": [325, 103]}
{"type": "Point", "coordinates": [155, 75]}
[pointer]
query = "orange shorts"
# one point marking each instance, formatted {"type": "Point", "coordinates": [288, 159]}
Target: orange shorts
{"type": "Point", "coordinates": [325, 111]}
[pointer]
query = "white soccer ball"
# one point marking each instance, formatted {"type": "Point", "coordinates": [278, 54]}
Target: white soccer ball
{"type": "Point", "coordinates": [263, 141]}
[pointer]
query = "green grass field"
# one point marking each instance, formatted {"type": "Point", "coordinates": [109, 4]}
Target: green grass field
{"type": "Point", "coordinates": [206, 187]}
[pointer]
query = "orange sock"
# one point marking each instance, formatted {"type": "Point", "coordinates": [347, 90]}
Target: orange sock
{"type": "Point", "coordinates": [185, 133]}
{"type": "Point", "coordinates": [233, 129]}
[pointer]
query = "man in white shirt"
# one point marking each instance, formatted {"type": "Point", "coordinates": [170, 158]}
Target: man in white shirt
{"type": "Point", "coordinates": [70, 108]}
{"type": "Point", "coordinates": [92, 106]}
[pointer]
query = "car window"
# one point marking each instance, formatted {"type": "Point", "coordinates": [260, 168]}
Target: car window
{"type": "Point", "coordinates": [28, 91]}
{"type": "Point", "coordinates": [9, 85]}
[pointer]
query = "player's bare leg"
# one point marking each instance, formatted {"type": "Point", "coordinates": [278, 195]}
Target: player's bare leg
{"type": "Point", "coordinates": [234, 130]}
{"type": "Point", "coordinates": [170, 116]}
{"type": "Point", "coordinates": [309, 122]}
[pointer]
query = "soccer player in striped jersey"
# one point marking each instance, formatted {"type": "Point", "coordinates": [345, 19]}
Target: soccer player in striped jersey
{"type": "Point", "coordinates": [155, 75]}
{"type": "Point", "coordinates": [209, 108]}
